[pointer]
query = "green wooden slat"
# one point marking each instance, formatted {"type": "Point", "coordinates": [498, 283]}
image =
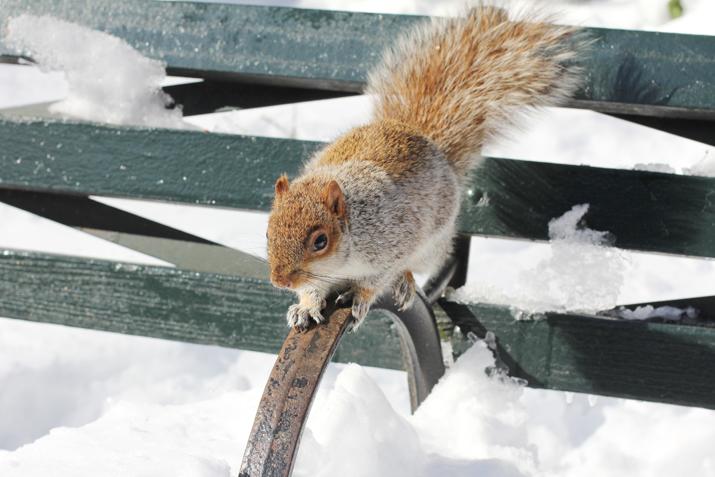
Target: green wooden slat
{"type": "Point", "coordinates": [167, 303]}
{"type": "Point", "coordinates": [626, 71]}
{"type": "Point", "coordinates": [649, 73]}
{"type": "Point", "coordinates": [172, 165]}
{"type": "Point", "coordinates": [291, 46]}
{"type": "Point", "coordinates": [649, 361]}
{"type": "Point", "coordinates": [643, 210]}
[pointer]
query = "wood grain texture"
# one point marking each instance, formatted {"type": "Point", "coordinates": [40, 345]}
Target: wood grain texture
{"type": "Point", "coordinates": [507, 198]}
{"type": "Point", "coordinates": [650, 361]}
{"type": "Point", "coordinates": [626, 71]}
{"type": "Point", "coordinates": [168, 303]}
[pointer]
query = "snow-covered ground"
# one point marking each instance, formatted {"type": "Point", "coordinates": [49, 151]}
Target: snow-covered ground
{"type": "Point", "coordinates": [78, 402]}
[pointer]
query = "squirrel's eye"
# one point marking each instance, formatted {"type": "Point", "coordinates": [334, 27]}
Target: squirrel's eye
{"type": "Point", "coordinates": [321, 241]}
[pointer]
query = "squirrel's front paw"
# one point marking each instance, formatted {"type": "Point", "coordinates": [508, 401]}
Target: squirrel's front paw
{"type": "Point", "coordinates": [404, 291]}
{"type": "Point", "coordinates": [299, 316]}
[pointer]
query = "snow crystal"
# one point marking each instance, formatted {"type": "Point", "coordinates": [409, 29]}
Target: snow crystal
{"type": "Point", "coordinates": [582, 274]}
{"type": "Point", "coordinates": [108, 81]}
{"type": "Point", "coordinates": [648, 311]}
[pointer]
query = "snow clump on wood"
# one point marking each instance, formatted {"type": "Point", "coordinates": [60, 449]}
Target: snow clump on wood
{"type": "Point", "coordinates": [108, 80]}
{"type": "Point", "coordinates": [582, 274]}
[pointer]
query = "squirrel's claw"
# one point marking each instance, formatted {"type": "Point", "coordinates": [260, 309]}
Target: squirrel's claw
{"type": "Point", "coordinates": [344, 298]}
{"type": "Point", "coordinates": [299, 316]}
{"type": "Point", "coordinates": [359, 310]}
{"type": "Point", "coordinates": [404, 291]}
{"type": "Point", "coordinates": [363, 298]}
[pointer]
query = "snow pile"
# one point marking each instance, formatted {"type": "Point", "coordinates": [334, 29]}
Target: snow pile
{"type": "Point", "coordinates": [704, 167]}
{"type": "Point", "coordinates": [581, 274]}
{"type": "Point", "coordinates": [648, 311]}
{"type": "Point", "coordinates": [160, 408]}
{"type": "Point", "coordinates": [108, 80]}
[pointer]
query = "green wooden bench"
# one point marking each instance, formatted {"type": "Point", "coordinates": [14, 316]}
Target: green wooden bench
{"type": "Point", "coordinates": [254, 56]}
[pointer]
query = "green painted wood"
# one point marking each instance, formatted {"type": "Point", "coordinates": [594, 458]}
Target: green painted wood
{"type": "Point", "coordinates": [626, 71]}
{"type": "Point", "coordinates": [643, 210]}
{"type": "Point", "coordinates": [172, 165]}
{"type": "Point", "coordinates": [167, 303]}
{"type": "Point", "coordinates": [301, 47]}
{"type": "Point", "coordinates": [649, 73]}
{"type": "Point", "coordinates": [652, 361]}
{"type": "Point", "coordinates": [649, 361]}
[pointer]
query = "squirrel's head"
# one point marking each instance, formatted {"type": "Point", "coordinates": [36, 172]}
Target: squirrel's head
{"type": "Point", "coordinates": [305, 229]}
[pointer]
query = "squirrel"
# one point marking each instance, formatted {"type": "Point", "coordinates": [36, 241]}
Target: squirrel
{"type": "Point", "coordinates": [381, 201]}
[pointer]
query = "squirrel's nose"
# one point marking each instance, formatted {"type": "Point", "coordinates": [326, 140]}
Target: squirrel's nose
{"type": "Point", "coordinates": [282, 280]}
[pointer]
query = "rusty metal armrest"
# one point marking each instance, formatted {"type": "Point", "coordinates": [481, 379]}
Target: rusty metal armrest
{"type": "Point", "coordinates": [283, 410]}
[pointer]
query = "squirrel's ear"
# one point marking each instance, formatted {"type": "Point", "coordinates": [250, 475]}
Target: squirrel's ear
{"type": "Point", "coordinates": [334, 199]}
{"type": "Point", "coordinates": [282, 186]}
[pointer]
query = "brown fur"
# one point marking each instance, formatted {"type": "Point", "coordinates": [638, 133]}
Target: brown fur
{"type": "Point", "coordinates": [455, 80]}
{"type": "Point", "coordinates": [298, 209]}
{"type": "Point", "coordinates": [394, 147]}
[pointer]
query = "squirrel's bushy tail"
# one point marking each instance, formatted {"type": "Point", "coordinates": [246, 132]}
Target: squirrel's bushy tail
{"type": "Point", "coordinates": [457, 80]}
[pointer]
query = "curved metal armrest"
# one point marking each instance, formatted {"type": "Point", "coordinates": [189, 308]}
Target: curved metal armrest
{"type": "Point", "coordinates": [283, 410]}
{"type": "Point", "coordinates": [420, 344]}
{"type": "Point", "coordinates": [291, 387]}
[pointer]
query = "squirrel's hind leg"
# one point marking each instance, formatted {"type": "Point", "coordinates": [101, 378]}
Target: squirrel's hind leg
{"type": "Point", "coordinates": [364, 295]}
{"type": "Point", "coordinates": [403, 290]}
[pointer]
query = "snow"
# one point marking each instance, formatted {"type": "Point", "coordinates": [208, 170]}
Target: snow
{"type": "Point", "coordinates": [704, 167]}
{"type": "Point", "coordinates": [175, 409]}
{"type": "Point", "coordinates": [78, 402]}
{"type": "Point", "coordinates": [107, 80]}
{"type": "Point", "coordinates": [648, 311]}
{"type": "Point", "coordinates": [581, 274]}
{"type": "Point", "coordinates": [85, 373]}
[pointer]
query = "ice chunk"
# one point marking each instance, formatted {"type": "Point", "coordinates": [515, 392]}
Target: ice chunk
{"type": "Point", "coordinates": [582, 274]}
{"type": "Point", "coordinates": [108, 80]}
{"type": "Point", "coordinates": [566, 228]}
